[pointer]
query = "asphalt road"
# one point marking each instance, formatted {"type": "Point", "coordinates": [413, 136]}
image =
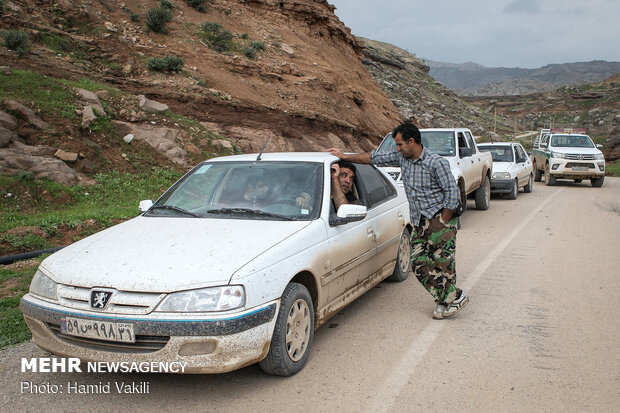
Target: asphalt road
{"type": "Point", "coordinates": [541, 333]}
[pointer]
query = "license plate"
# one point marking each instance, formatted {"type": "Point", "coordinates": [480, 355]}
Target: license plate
{"type": "Point", "coordinates": [580, 168]}
{"type": "Point", "coordinates": [100, 330]}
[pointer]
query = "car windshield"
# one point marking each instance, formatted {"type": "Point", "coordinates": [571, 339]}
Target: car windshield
{"type": "Point", "coordinates": [246, 190]}
{"type": "Point", "coordinates": [499, 153]}
{"type": "Point", "coordinates": [440, 142]}
{"type": "Point", "coordinates": [571, 141]}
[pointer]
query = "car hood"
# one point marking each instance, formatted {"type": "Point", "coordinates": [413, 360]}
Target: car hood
{"type": "Point", "coordinates": [160, 254]}
{"type": "Point", "coordinates": [503, 166]}
{"type": "Point", "coordinates": [584, 151]}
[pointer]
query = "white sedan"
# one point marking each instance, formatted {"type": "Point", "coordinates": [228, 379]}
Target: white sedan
{"type": "Point", "coordinates": [512, 168]}
{"type": "Point", "coordinates": [238, 262]}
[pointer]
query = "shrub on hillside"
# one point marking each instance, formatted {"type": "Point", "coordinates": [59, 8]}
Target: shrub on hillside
{"type": "Point", "coordinates": [16, 40]}
{"type": "Point", "coordinates": [165, 64]}
{"type": "Point", "coordinates": [165, 4]}
{"type": "Point", "coordinates": [156, 19]}
{"type": "Point", "coordinates": [200, 5]}
{"type": "Point", "coordinates": [220, 40]}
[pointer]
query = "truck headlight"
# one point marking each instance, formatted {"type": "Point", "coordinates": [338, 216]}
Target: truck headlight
{"type": "Point", "coordinates": [501, 175]}
{"type": "Point", "coordinates": [599, 157]}
{"type": "Point", "coordinates": [43, 286]}
{"type": "Point", "coordinates": [206, 299]}
{"type": "Point", "coordinates": [558, 155]}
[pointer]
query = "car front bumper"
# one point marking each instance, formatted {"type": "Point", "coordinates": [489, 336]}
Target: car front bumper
{"type": "Point", "coordinates": [207, 344]}
{"type": "Point", "coordinates": [501, 186]}
{"type": "Point", "coordinates": [575, 169]}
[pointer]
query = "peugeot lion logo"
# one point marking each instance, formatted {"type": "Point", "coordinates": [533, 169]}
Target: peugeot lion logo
{"type": "Point", "coordinates": [99, 299]}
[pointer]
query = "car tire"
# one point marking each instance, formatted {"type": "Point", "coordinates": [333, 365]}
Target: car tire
{"type": "Point", "coordinates": [483, 194]}
{"type": "Point", "coordinates": [578, 181]}
{"type": "Point", "coordinates": [458, 223]}
{"type": "Point", "coordinates": [403, 258]}
{"type": "Point", "coordinates": [530, 185]}
{"type": "Point", "coordinates": [514, 191]}
{"type": "Point", "coordinates": [537, 174]}
{"type": "Point", "coordinates": [293, 333]}
{"type": "Point", "coordinates": [597, 182]}
{"type": "Point", "coordinates": [549, 179]}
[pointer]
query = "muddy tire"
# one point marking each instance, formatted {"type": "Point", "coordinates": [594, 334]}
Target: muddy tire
{"type": "Point", "coordinates": [530, 185]}
{"type": "Point", "coordinates": [483, 194]}
{"type": "Point", "coordinates": [597, 182]}
{"type": "Point", "coordinates": [514, 191]}
{"type": "Point", "coordinates": [549, 179]}
{"type": "Point", "coordinates": [537, 174]}
{"type": "Point", "coordinates": [293, 333]}
{"type": "Point", "coordinates": [403, 258]}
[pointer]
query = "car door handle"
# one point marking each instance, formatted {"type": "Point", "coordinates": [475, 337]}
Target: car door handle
{"type": "Point", "coordinates": [400, 216]}
{"type": "Point", "coordinates": [371, 234]}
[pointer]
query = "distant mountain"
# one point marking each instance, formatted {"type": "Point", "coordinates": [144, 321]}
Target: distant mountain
{"type": "Point", "coordinates": [472, 79]}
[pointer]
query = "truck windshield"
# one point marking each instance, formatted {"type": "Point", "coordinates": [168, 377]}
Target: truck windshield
{"type": "Point", "coordinates": [440, 142]}
{"type": "Point", "coordinates": [571, 141]}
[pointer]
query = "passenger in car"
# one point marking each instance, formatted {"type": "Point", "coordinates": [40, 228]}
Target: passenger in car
{"type": "Point", "coordinates": [343, 177]}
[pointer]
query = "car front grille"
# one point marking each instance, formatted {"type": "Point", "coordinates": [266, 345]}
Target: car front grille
{"type": "Point", "coordinates": [143, 344]}
{"type": "Point", "coordinates": [121, 302]}
{"type": "Point", "coordinates": [577, 157]}
{"type": "Point", "coordinates": [579, 165]}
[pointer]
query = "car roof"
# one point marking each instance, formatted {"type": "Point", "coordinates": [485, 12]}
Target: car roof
{"type": "Point", "coordinates": [321, 157]}
{"type": "Point", "coordinates": [498, 143]}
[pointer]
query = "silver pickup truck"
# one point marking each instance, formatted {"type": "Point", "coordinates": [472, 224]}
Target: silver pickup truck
{"type": "Point", "coordinates": [470, 167]}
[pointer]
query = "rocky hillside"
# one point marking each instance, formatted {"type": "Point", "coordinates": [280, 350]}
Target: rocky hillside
{"type": "Point", "coordinates": [594, 107]}
{"type": "Point", "coordinates": [405, 79]}
{"type": "Point", "coordinates": [471, 79]}
{"type": "Point", "coordinates": [251, 69]}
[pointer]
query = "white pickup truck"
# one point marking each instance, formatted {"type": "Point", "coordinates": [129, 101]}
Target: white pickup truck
{"type": "Point", "coordinates": [470, 167]}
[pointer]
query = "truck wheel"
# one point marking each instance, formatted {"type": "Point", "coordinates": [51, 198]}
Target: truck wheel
{"type": "Point", "coordinates": [537, 174]}
{"type": "Point", "coordinates": [530, 184]}
{"type": "Point", "coordinates": [597, 182]}
{"type": "Point", "coordinates": [293, 333]}
{"type": "Point", "coordinates": [549, 179]}
{"type": "Point", "coordinates": [514, 191]}
{"type": "Point", "coordinates": [483, 194]}
{"type": "Point", "coordinates": [403, 258]}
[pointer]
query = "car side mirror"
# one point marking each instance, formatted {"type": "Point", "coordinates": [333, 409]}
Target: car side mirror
{"type": "Point", "coordinates": [348, 213]}
{"type": "Point", "coordinates": [543, 145]}
{"type": "Point", "coordinates": [145, 205]}
{"type": "Point", "coordinates": [464, 152]}
{"type": "Point", "coordinates": [599, 146]}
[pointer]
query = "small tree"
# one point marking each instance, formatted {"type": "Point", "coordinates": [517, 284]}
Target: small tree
{"type": "Point", "coordinates": [16, 40]}
{"type": "Point", "coordinates": [156, 19]}
{"type": "Point", "coordinates": [200, 5]}
{"type": "Point", "coordinates": [165, 64]}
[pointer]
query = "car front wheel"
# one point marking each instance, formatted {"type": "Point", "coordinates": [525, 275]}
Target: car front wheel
{"type": "Point", "coordinates": [403, 258]}
{"type": "Point", "coordinates": [597, 182]}
{"type": "Point", "coordinates": [549, 179]}
{"type": "Point", "coordinates": [514, 192]}
{"type": "Point", "coordinates": [530, 184]}
{"type": "Point", "coordinates": [483, 194]}
{"type": "Point", "coordinates": [293, 333]}
{"type": "Point", "coordinates": [538, 174]}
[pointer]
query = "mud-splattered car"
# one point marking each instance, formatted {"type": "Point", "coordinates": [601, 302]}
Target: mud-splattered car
{"type": "Point", "coordinates": [238, 262]}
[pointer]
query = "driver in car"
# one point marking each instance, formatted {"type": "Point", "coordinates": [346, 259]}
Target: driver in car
{"type": "Point", "coordinates": [343, 175]}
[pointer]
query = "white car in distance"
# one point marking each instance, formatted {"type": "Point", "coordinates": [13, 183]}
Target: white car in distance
{"type": "Point", "coordinates": [238, 262]}
{"type": "Point", "coordinates": [512, 168]}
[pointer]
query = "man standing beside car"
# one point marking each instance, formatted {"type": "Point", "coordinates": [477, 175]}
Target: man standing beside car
{"type": "Point", "coordinates": [433, 196]}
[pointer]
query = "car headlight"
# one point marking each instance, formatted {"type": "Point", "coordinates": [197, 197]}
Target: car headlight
{"type": "Point", "coordinates": [558, 155]}
{"type": "Point", "coordinates": [206, 299]}
{"type": "Point", "coordinates": [599, 157]}
{"type": "Point", "coordinates": [43, 285]}
{"type": "Point", "coordinates": [501, 175]}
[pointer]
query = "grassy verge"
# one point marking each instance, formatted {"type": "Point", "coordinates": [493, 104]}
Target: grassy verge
{"type": "Point", "coordinates": [612, 168]}
{"type": "Point", "coordinates": [14, 283]}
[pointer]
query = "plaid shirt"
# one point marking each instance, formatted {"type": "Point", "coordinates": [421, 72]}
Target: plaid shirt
{"type": "Point", "coordinates": [429, 184]}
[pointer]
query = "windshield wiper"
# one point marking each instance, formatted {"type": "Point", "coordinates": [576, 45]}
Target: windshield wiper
{"type": "Point", "coordinates": [175, 208]}
{"type": "Point", "coordinates": [248, 211]}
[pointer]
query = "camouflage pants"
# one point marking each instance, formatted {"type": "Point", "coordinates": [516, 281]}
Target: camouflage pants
{"type": "Point", "coordinates": [433, 250]}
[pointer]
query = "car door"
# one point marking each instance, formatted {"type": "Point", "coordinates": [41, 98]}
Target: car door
{"type": "Point", "coordinates": [468, 163]}
{"type": "Point", "coordinates": [524, 163]}
{"type": "Point", "coordinates": [352, 249]}
{"type": "Point", "coordinates": [386, 214]}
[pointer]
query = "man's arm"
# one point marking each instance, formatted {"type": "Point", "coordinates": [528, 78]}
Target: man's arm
{"type": "Point", "coordinates": [449, 188]}
{"type": "Point", "coordinates": [351, 157]}
{"type": "Point", "coordinates": [337, 193]}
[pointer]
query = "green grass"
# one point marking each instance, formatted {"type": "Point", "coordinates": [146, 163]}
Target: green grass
{"type": "Point", "coordinates": [47, 204]}
{"type": "Point", "coordinates": [14, 284]}
{"type": "Point", "coordinates": [612, 168]}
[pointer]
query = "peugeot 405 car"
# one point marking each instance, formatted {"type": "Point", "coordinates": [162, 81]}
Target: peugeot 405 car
{"type": "Point", "coordinates": [238, 262]}
{"type": "Point", "coordinates": [512, 168]}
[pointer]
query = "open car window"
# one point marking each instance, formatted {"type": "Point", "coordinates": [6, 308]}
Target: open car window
{"type": "Point", "coordinates": [246, 190]}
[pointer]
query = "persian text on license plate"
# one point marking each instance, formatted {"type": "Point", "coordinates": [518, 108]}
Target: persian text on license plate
{"type": "Point", "coordinates": [100, 330]}
{"type": "Point", "coordinates": [580, 168]}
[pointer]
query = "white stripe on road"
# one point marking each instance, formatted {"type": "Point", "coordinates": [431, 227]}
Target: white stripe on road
{"type": "Point", "coordinates": [399, 376]}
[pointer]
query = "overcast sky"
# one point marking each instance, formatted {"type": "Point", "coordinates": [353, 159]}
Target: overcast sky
{"type": "Point", "coordinates": [498, 33]}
